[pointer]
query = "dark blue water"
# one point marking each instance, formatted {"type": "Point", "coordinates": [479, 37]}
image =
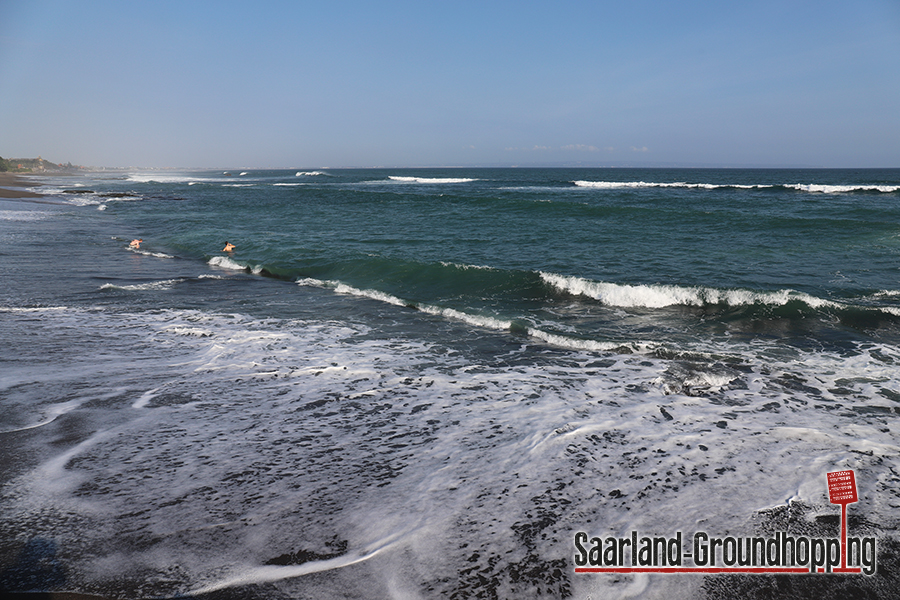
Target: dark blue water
{"type": "Point", "coordinates": [428, 380]}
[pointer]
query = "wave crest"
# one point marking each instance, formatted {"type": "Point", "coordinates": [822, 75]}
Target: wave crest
{"type": "Point", "coordinates": [802, 187]}
{"type": "Point", "coordinates": [223, 262]}
{"type": "Point", "coordinates": [166, 284]}
{"type": "Point", "coordinates": [840, 189]}
{"type": "Point", "coordinates": [680, 184]}
{"type": "Point", "coordinates": [430, 179]}
{"type": "Point", "coordinates": [660, 296]}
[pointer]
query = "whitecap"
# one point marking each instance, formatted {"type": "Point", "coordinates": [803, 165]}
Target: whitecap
{"type": "Point", "coordinates": [678, 184]}
{"type": "Point", "coordinates": [82, 200]}
{"type": "Point", "coordinates": [431, 180]}
{"type": "Point", "coordinates": [478, 320]}
{"type": "Point", "coordinates": [156, 178]}
{"type": "Point", "coordinates": [841, 189]}
{"type": "Point", "coordinates": [148, 253]}
{"type": "Point", "coordinates": [165, 284]}
{"type": "Point", "coordinates": [572, 343]}
{"type": "Point", "coordinates": [342, 288]}
{"type": "Point", "coordinates": [466, 267]}
{"type": "Point", "coordinates": [223, 262]}
{"type": "Point", "coordinates": [659, 296]}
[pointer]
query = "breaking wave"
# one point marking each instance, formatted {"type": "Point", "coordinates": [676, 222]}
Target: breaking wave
{"type": "Point", "coordinates": [645, 184]}
{"type": "Point", "coordinates": [840, 189]}
{"type": "Point", "coordinates": [803, 187]}
{"type": "Point", "coordinates": [659, 296]}
{"type": "Point", "coordinates": [431, 180]}
{"type": "Point", "coordinates": [152, 285]}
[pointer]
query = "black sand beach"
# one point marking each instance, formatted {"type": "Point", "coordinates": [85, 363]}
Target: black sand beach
{"type": "Point", "coordinates": [10, 180]}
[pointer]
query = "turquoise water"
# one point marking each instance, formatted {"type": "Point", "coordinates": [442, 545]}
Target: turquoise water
{"type": "Point", "coordinates": [517, 246]}
{"type": "Point", "coordinates": [421, 383]}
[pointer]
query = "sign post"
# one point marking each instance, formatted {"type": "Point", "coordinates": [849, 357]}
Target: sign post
{"type": "Point", "coordinates": [842, 490]}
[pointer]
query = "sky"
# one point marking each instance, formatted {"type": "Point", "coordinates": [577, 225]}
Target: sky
{"type": "Point", "coordinates": [353, 83]}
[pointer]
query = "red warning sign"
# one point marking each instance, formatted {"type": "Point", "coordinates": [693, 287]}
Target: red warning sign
{"type": "Point", "coordinates": [842, 487]}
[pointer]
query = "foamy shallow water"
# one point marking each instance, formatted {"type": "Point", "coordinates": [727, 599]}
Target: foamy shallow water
{"type": "Point", "coordinates": [336, 414]}
{"type": "Point", "coordinates": [212, 448]}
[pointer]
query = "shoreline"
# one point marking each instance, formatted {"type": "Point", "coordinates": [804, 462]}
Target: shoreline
{"type": "Point", "coordinates": [15, 181]}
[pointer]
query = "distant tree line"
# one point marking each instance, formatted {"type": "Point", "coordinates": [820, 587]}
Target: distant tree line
{"type": "Point", "coordinates": [4, 164]}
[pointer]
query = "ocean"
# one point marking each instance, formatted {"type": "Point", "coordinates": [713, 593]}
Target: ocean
{"type": "Point", "coordinates": [423, 383]}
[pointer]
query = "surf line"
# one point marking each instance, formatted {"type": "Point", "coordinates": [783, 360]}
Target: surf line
{"type": "Point", "coordinates": [782, 553]}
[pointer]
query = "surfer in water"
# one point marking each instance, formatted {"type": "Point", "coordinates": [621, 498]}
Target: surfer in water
{"type": "Point", "coordinates": [136, 243]}
{"type": "Point", "coordinates": [228, 247]}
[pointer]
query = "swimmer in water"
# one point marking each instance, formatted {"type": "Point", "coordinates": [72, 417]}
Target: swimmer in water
{"type": "Point", "coordinates": [135, 243]}
{"type": "Point", "coordinates": [228, 247]}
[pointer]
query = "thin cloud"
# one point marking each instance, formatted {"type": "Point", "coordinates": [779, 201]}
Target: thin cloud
{"type": "Point", "coordinates": [581, 148]}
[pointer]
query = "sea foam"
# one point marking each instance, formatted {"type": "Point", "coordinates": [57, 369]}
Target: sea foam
{"type": "Point", "coordinates": [166, 284]}
{"type": "Point", "coordinates": [839, 189]}
{"type": "Point", "coordinates": [659, 296]}
{"type": "Point", "coordinates": [803, 187]}
{"type": "Point", "coordinates": [645, 184]}
{"type": "Point", "coordinates": [226, 263]}
{"type": "Point", "coordinates": [431, 180]}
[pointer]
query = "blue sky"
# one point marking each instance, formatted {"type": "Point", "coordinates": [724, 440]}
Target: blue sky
{"type": "Point", "coordinates": [353, 83]}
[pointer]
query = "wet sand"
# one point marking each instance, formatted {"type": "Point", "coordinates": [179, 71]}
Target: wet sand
{"type": "Point", "coordinates": [11, 180]}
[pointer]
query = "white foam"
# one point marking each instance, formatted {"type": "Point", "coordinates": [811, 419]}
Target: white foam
{"type": "Point", "coordinates": [646, 184]}
{"type": "Point", "coordinates": [158, 178]}
{"type": "Point", "coordinates": [841, 189]}
{"type": "Point", "coordinates": [148, 253]}
{"type": "Point", "coordinates": [477, 320]}
{"type": "Point", "coordinates": [431, 180]}
{"type": "Point", "coordinates": [166, 284]}
{"type": "Point", "coordinates": [190, 331]}
{"type": "Point", "coordinates": [145, 398]}
{"type": "Point", "coordinates": [309, 173]}
{"type": "Point", "coordinates": [23, 215]}
{"type": "Point", "coordinates": [50, 415]}
{"type": "Point", "coordinates": [223, 262]}
{"type": "Point", "coordinates": [483, 321]}
{"type": "Point", "coordinates": [659, 296]}
{"type": "Point", "coordinates": [270, 574]}
{"type": "Point", "coordinates": [811, 187]}
{"type": "Point", "coordinates": [564, 341]}
{"type": "Point", "coordinates": [301, 433]}
{"type": "Point", "coordinates": [466, 267]}
{"type": "Point", "coordinates": [39, 309]}
{"type": "Point", "coordinates": [84, 200]}
{"type": "Point", "coordinates": [342, 288]}
{"type": "Point", "coordinates": [312, 282]}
